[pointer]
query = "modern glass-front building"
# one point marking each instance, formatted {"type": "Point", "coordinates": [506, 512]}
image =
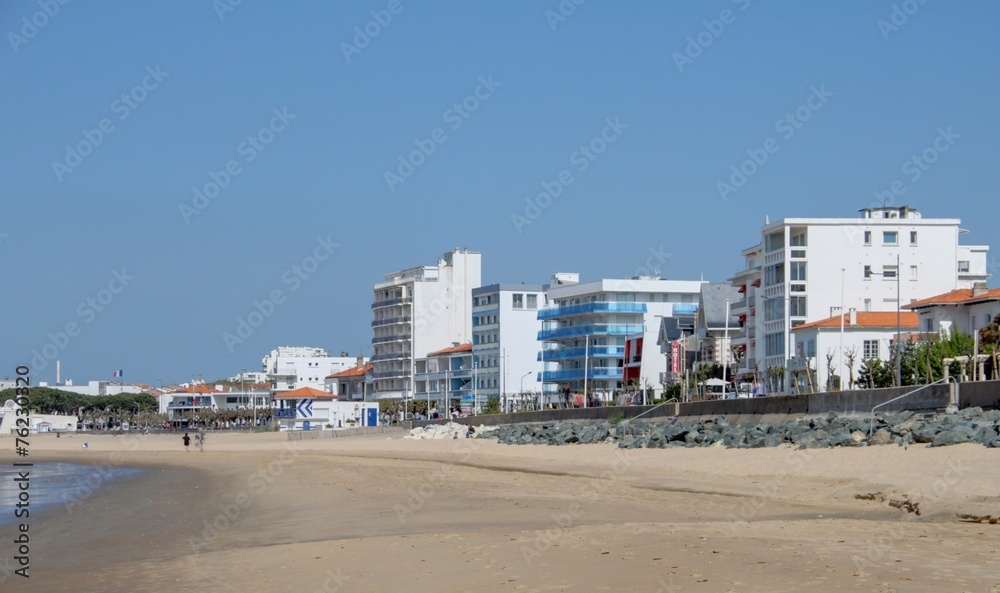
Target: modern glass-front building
{"type": "Point", "coordinates": [585, 327]}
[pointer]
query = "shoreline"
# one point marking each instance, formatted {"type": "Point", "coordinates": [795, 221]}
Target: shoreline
{"type": "Point", "coordinates": [392, 514]}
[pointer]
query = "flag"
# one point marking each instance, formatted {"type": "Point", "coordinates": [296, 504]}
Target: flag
{"type": "Point", "coordinates": [119, 373]}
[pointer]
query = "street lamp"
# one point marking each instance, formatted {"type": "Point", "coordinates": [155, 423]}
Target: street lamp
{"type": "Point", "coordinates": [725, 354]}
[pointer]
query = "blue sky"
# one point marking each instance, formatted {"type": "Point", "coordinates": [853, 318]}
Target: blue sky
{"type": "Point", "coordinates": [103, 220]}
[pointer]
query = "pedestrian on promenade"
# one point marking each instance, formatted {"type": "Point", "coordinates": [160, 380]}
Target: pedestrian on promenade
{"type": "Point", "coordinates": [187, 441]}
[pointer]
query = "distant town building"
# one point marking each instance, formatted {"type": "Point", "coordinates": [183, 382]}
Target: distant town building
{"type": "Point", "coordinates": [293, 367]}
{"type": "Point", "coordinates": [444, 377]}
{"type": "Point", "coordinates": [586, 325]}
{"type": "Point", "coordinates": [353, 384]}
{"type": "Point", "coordinates": [97, 387]}
{"type": "Point", "coordinates": [419, 310]}
{"type": "Point", "coordinates": [808, 269]}
{"type": "Point", "coordinates": [505, 328]}
{"type": "Point", "coordinates": [966, 310]}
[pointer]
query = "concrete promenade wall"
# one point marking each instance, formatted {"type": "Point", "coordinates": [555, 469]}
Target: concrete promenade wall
{"type": "Point", "coordinates": [304, 435]}
{"type": "Point", "coordinates": [985, 394]}
{"type": "Point", "coordinates": [769, 409]}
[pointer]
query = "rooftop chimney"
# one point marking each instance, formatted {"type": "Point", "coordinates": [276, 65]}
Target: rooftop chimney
{"type": "Point", "coordinates": [979, 289]}
{"type": "Point", "coordinates": [854, 317]}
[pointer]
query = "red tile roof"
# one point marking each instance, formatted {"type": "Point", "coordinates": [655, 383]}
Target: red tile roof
{"type": "Point", "coordinates": [355, 372]}
{"type": "Point", "coordinates": [907, 319]}
{"type": "Point", "coordinates": [304, 393]}
{"type": "Point", "coordinates": [962, 296]}
{"type": "Point", "coordinates": [452, 350]}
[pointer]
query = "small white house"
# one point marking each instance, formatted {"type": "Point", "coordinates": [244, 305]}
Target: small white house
{"type": "Point", "coordinates": [311, 409]}
{"type": "Point", "coordinates": [966, 310]}
{"type": "Point", "coordinates": [869, 334]}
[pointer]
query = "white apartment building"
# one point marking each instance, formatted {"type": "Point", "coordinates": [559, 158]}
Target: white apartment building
{"type": "Point", "coordinates": [868, 334]}
{"type": "Point", "coordinates": [294, 367]}
{"type": "Point", "coordinates": [505, 328]}
{"type": "Point", "coordinates": [586, 324]}
{"type": "Point", "coordinates": [97, 387]}
{"type": "Point", "coordinates": [417, 311]}
{"type": "Point", "coordinates": [813, 268]}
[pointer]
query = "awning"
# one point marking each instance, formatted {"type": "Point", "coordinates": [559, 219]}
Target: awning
{"type": "Point", "coordinates": [743, 288]}
{"type": "Point", "coordinates": [743, 317]}
{"type": "Point", "coordinates": [756, 282]}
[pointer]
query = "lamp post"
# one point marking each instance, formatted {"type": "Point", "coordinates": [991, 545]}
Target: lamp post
{"type": "Point", "coordinates": [840, 359]}
{"type": "Point", "coordinates": [586, 365]}
{"type": "Point", "coordinates": [725, 354]}
{"type": "Point", "coordinates": [522, 384]}
{"type": "Point", "coordinates": [898, 348]}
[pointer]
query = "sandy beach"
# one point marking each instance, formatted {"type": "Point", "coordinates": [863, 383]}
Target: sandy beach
{"type": "Point", "coordinates": [260, 513]}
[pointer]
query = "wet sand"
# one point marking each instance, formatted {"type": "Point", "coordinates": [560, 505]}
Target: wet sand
{"type": "Point", "coordinates": [260, 513]}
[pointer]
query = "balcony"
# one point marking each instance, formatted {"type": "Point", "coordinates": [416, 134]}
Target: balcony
{"type": "Point", "coordinates": [393, 374]}
{"type": "Point", "coordinates": [577, 374]}
{"type": "Point", "coordinates": [392, 302]}
{"type": "Point", "coordinates": [393, 338]}
{"type": "Point", "coordinates": [390, 356]}
{"type": "Point", "coordinates": [596, 329]}
{"type": "Point", "coordinates": [593, 351]}
{"type": "Point", "coordinates": [283, 413]}
{"type": "Point", "coordinates": [591, 308]}
{"type": "Point", "coordinates": [391, 321]}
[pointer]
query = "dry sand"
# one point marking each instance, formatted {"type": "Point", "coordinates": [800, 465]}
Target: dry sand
{"type": "Point", "coordinates": [260, 513]}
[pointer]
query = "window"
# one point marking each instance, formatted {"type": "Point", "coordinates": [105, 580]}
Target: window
{"type": "Point", "coordinates": [871, 349]}
{"type": "Point", "coordinates": [963, 267]}
{"type": "Point", "coordinates": [890, 237]}
{"type": "Point", "coordinates": [889, 272]}
{"type": "Point", "coordinates": [868, 272]}
{"type": "Point", "coordinates": [913, 272]}
{"type": "Point", "coordinates": [811, 348]}
{"type": "Point", "coordinates": [518, 301]}
{"type": "Point", "coordinates": [913, 237]}
{"type": "Point", "coordinates": [797, 307]}
{"type": "Point", "coordinates": [532, 301]}
{"type": "Point", "coordinates": [774, 344]}
{"type": "Point", "coordinates": [928, 325]}
{"type": "Point", "coordinates": [868, 304]}
{"type": "Point", "coordinates": [774, 241]}
{"type": "Point", "coordinates": [868, 237]}
{"type": "Point", "coordinates": [799, 253]}
{"type": "Point", "coordinates": [797, 270]}
{"type": "Point", "coordinates": [774, 309]}
{"type": "Point", "coordinates": [774, 274]}
{"type": "Point", "coordinates": [798, 240]}
{"type": "Point", "coordinates": [798, 287]}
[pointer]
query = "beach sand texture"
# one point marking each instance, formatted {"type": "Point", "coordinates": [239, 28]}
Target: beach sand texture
{"type": "Point", "coordinates": [260, 513]}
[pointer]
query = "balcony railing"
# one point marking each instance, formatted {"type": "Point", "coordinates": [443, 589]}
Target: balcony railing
{"type": "Point", "coordinates": [588, 308]}
{"type": "Point", "coordinates": [391, 321]}
{"type": "Point", "coordinates": [393, 338]}
{"type": "Point", "coordinates": [392, 302]}
{"type": "Point", "coordinates": [577, 374]}
{"type": "Point", "coordinates": [593, 351]}
{"type": "Point", "coordinates": [595, 329]}
{"type": "Point", "coordinates": [390, 356]}
{"type": "Point", "coordinates": [394, 374]}
{"type": "Point", "coordinates": [283, 413]}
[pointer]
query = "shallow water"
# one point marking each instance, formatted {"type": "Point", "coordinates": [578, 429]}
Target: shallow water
{"type": "Point", "coordinates": [54, 483]}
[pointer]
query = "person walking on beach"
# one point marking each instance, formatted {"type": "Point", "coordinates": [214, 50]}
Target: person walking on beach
{"type": "Point", "coordinates": [187, 441]}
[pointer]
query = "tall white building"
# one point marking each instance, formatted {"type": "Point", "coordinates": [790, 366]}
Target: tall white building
{"type": "Point", "coordinates": [505, 328]}
{"type": "Point", "coordinates": [420, 310]}
{"type": "Point", "coordinates": [808, 269]}
{"type": "Point", "coordinates": [294, 367]}
{"type": "Point", "coordinates": [586, 325]}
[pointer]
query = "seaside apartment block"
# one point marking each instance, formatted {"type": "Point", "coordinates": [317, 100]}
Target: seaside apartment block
{"type": "Point", "coordinates": [417, 311]}
{"type": "Point", "coordinates": [586, 325]}
{"type": "Point", "coordinates": [295, 367]}
{"type": "Point", "coordinates": [505, 328]}
{"type": "Point", "coordinates": [809, 269]}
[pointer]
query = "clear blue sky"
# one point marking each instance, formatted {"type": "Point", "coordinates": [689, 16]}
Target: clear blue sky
{"type": "Point", "coordinates": [69, 223]}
